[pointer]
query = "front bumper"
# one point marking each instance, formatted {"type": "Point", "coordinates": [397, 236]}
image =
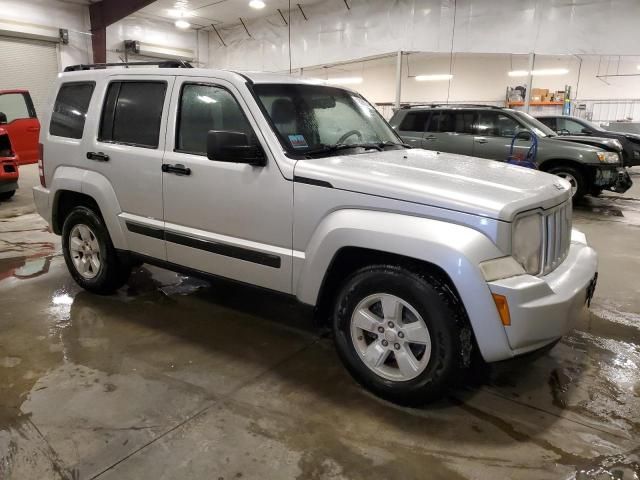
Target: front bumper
{"type": "Point", "coordinates": [614, 179]}
{"type": "Point", "coordinates": [543, 309]}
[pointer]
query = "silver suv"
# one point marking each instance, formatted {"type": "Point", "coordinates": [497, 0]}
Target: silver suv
{"type": "Point", "coordinates": [415, 259]}
{"type": "Point", "coordinates": [486, 132]}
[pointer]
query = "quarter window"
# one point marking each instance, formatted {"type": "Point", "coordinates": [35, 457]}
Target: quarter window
{"type": "Point", "coordinates": [204, 108]}
{"type": "Point", "coordinates": [132, 113]}
{"type": "Point", "coordinates": [70, 110]}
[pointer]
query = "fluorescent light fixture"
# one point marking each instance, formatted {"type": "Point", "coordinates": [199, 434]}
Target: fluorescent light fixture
{"type": "Point", "coordinates": [544, 72]}
{"type": "Point", "coordinates": [434, 78]}
{"type": "Point", "coordinates": [344, 80]}
{"type": "Point", "coordinates": [182, 24]}
{"type": "Point", "coordinates": [179, 13]}
{"type": "Point", "coordinates": [257, 4]}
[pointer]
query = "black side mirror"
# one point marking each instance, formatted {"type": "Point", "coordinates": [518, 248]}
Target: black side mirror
{"type": "Point", "coordinates": [586, 131]}
{"type": "Point", "coordinates": [563, 131]}
{"type": "Point", "coordinates": [3, 118]}
{"type": "Point", "coordinates": [523, 135]}
{"type": "Point", "coordinates": [226, 146]}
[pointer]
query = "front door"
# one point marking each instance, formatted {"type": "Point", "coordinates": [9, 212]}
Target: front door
{"type": "Point", "coordinates": [450, 131]}
{"type": "Point", "coordinates": [126, 147]}
{"type": "Point", "coordinates": [224, 218]}
{"type": "Point", "coordinates": [412, 127]}
{"type": "Point", "coordinates": [494, 133]}
{"type": "Point", "coordinates": [18, 117]}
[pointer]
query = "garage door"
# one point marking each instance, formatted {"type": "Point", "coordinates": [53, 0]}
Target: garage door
{"type": "Point", "coordinates": [28, 64]}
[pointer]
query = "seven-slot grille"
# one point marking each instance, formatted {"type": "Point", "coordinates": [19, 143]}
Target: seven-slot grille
{"type": "Point", "coordinates": [557, 235]}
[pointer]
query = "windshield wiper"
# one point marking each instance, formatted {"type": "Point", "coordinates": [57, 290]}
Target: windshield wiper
{"type": "Point", "coordinates": [393, 144]}
{"type": "Point", "coordinates": [344, 146]}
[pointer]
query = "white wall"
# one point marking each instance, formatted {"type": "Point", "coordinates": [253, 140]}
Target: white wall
{"type": "Point", "coordinates": [483, 77]}
{"type": "Point", "coordinates": [156, 32]}
{"type": "Point", "coordinates": [373, 27]}
{"type": "Point", "coordinates": [56, 14]}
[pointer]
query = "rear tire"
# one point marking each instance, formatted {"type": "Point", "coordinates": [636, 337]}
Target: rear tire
{"type": "Point", "coordinates": [400, 334]}
{"type": "Point", "coordinates": [89, 253]}
{"type": "Point", "coordinates": [7, 195]}
{"type": "Point", "coordinates": [574, 176]}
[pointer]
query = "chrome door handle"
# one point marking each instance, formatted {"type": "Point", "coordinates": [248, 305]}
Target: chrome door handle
{"type": "Point", "coordinates": [178, 169]}
{"type": "Point", "coordinates": [99, 156]}
{"type": "Point", "coordinates": [481, 140]}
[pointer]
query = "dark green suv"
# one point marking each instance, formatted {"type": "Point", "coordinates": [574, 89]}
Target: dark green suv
{"type": "Point", "coordinates": [486, 132]}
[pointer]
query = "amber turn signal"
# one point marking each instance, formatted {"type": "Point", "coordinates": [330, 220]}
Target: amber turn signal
{"type": "Point", "coordinates": [503, 309]}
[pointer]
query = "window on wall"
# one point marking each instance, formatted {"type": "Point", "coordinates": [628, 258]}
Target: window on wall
{"type": "Point", "coordinates": [204, 108]}
{"type": "Point", "coordinates": [132, 113]}
{"type": "Point", "coordinates": [70, 109]}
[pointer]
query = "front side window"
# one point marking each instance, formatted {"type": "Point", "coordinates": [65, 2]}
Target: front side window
{"type": "Point", "coordinates": [14, 106]}
{"type": "Point", "coordinates": [70, 109]}
{"type": "Point", "coordinates": [496, 124]}
{"type": "Point", "coordinates": [311, 118]}
{"type": "Point", "coordinates": [571, 126]}
{"type": "Point", "coordinates": [204, 108]}
{"type": "Point", "coordinates": [414, 122]}
{"type": "Point", "coordinates": [132, 113]}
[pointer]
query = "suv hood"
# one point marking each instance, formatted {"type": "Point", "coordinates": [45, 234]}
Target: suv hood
{"type": "Point", "coordinates": [457, 182]}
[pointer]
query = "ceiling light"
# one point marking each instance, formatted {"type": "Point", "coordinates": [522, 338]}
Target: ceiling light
{"type": "Point", "coordinates": [344, 80]}
{"type": "Point", "coordinates": [257, 4]}
{"type": "Point", "coordinates": [434, 78]}
{"type": "Point", "coordinates": [541, 73]}
{"type": "Point", "coordinates": [179, 13]}
{"type": "Point", "coordinates": [182, 24]}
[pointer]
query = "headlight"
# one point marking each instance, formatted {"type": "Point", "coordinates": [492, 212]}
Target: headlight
{"type": "Point", "coordinates": [526, 243]}
{"type": "Point", "coordinates": [608, 157]}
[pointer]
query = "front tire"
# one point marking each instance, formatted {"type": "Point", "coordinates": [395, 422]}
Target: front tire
{"type": "Point", "coordinates": [7, 195]}
{"type": "Point", "coordinates": [89, 254]}
{"type": "Point", "coordinates": [575, 177]}
{"type": "Point", "coordinates": [400, 334]}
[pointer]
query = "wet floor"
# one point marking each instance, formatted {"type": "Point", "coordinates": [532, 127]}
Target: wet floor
{"type": "Point", "coordinates": [175, 377]}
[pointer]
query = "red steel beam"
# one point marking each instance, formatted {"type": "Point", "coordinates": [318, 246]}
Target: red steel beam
{"type": "Point", "coordinates": [105, 13]}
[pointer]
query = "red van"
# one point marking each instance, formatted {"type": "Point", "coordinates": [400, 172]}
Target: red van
{"type": "Point", "coordinates": [18, 117]}
{"type": "Point", "coordinates": [8, 167]}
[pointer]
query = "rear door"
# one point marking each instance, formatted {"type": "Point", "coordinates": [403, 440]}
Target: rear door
{"type": "Point", "coordinates": [494, 132]}
{"type": "Point", "coordinates": [18, 117]}
{"type": "Point", "coordinates": [127, 147]}
{"type": "Point", "coordinates": [450, 131]}
{"type": "Point", "coordinates": [412, 127]}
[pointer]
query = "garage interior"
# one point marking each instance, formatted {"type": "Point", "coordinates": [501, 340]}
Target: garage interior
{"type": "Point", "coordinates": [176, 376]}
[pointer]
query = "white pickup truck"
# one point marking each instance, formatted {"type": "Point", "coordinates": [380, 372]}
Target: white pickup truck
{"type": "Point", "coordinates": [416, 258]}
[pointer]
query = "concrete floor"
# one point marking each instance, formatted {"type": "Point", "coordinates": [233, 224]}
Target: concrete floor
{"type": "Point", "coordinates": [174, 377]}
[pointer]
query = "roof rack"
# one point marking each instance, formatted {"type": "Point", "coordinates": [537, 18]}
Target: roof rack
{"type": "Point", "coordinates": [159, 64]}
{"type": "Point", "coordinates": [452, 105]}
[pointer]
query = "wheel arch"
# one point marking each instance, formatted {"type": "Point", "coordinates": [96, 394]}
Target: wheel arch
{"type": "Point", "coordinates": [349, 239]}
{"type": "Point", "coordinates": [72, 187]}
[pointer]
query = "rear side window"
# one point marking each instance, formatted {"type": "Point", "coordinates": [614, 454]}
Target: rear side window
{"type": "Point", "coordinates": [70, 109]}
{"type": "Point", "coordinates": [414, 122]}
{"type": "Point", "coordinates": [452, 121]}
{"type": "Point", "coordinates": [132, 113]}
{"type": "Point", "coordinates": [204, 108]}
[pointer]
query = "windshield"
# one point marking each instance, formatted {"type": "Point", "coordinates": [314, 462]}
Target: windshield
{"type": "Point", "coordinates": [539, 128]}
{"type": "Point", "coordinates": [316, 119]}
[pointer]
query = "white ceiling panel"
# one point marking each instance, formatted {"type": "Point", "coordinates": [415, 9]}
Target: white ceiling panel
{"type": "Point", "coordinates": [203, 13]}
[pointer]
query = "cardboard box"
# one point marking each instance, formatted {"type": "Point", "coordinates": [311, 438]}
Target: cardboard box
{"type": "Point", "coordinates": [539, 92]}
{"type": "Point", "coordinates": [536, 98]}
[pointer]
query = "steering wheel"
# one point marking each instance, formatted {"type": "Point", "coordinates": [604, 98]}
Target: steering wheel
{"type": "Point", "coordinates": [348, 134]}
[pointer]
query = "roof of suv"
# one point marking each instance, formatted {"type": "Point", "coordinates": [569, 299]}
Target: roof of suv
{"type": "Point", "coordinates": [255, 77]}
{"type": "Point", "coordinates": [451, 106]}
